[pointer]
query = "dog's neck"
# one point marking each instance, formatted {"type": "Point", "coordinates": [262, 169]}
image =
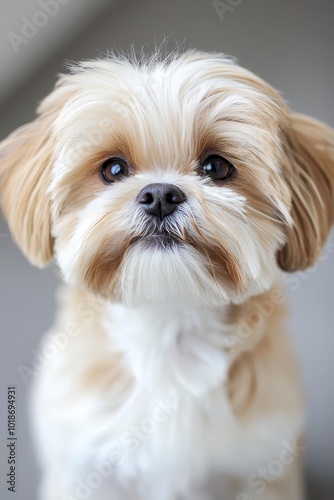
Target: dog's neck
{"type": "Point", "coordinates": [191, 348]}
{"type": "Point", "coordinates": [169, 346]}
{"type": "Point", "coordinates": [150, 352]}
{"type": "Point", "coordinates": [195, 348]}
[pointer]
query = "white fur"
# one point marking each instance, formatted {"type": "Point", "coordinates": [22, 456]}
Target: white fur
{"type": "Point", "coordinates": [174, 422]}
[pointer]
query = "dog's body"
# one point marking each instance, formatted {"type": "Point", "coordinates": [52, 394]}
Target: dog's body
{"type": "Point", "coordinates": [169, 192]}
{"type": "Point", "coordinates": [208, 401]}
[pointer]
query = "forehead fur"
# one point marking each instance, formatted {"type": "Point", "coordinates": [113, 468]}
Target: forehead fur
{"type": "Point", "coordinates": [166, 108]}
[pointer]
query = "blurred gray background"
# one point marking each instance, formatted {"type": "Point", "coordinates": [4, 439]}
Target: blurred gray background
{"type": "Point", "coordinates": [289, 44]}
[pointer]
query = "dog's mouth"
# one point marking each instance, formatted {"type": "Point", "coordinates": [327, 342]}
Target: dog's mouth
{"type": "Point", "coordinates": [161, 239]}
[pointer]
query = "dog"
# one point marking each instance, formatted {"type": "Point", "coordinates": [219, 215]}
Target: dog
{"type": "Point", "coordinates": [170, 193]}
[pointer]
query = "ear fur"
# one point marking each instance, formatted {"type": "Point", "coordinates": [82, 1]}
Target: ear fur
{"type": "Point", "coordinates": [25, 168]}
{"type": "Point", "coordinates": [309, 172]}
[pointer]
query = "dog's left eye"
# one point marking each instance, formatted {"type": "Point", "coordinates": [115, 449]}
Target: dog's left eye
{"type": "Point", "coordinates": [217, 167]}
{"type": "Point", "coordinates": [114, 169]}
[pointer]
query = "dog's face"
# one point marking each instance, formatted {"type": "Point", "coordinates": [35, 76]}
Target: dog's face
{"type": "Point", "coordinates": [183, 182]}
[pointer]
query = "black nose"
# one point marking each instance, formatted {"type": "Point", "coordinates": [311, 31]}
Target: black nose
{"type": "Point", "coordinates": [160, 199]}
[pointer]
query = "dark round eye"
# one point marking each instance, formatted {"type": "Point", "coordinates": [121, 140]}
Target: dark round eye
{"type": "Point", "coordinates": [217, 167]}
{"type": "Point", "coordinates": [114, 169]}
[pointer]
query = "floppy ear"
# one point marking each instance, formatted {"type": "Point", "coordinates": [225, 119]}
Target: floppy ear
{"type": "Point", "coordinates": [309, 172]}
{"type": "Point", "coordinates": [25, 169]}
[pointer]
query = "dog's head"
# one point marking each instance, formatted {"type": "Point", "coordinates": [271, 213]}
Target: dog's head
{"type": "Point", "coordinates": [186, 181]}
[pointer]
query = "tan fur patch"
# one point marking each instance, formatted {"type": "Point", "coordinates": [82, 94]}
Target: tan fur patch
{"type": "Point", "coordinates": [309, 172]}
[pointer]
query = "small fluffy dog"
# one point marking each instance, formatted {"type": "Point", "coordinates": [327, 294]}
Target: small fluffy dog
{"type": "Point", "coordinates": [169, 192]}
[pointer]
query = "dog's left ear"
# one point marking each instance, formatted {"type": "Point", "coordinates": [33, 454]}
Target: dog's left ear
{"type": "Point", "coordinates": [309, 173]}
{"type": "Point", "coordinates": [26, 158]}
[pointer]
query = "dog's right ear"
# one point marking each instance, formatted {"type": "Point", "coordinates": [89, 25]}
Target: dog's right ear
{"type": "Point", "coordinates": [26, 159]}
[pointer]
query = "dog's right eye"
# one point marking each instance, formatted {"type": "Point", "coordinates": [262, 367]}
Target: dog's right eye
{"type": "Point", "coordinates": [114, 169]}
{"type": "Point", "coordinates": [218, 168]}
